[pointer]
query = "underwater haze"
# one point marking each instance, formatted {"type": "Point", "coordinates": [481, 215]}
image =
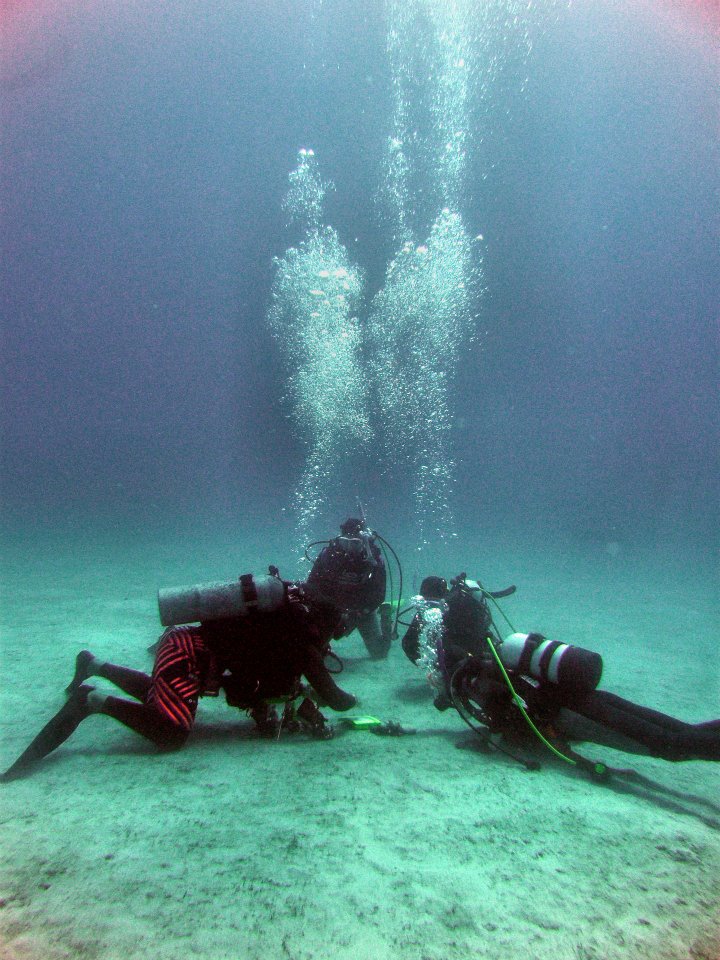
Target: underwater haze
{"type": "Point", "coordinates": [457, 262]}
{"type": "Point", "coordinates": [146, 154]}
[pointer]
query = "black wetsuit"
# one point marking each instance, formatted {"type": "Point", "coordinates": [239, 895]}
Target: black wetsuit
{"type": "Point", "coordinates": [596, 716]}
{"type": "Point", "coordinates": [355, 582]}
{"type": "Point", "coordinates": [254, 659]}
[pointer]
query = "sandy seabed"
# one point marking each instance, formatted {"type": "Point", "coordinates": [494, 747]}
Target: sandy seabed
{"type": "Point", "coordinates": [420, 847]}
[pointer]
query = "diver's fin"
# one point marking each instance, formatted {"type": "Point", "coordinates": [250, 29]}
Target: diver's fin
{"type": "Point", "coordinates": [360, 723]}
{"type": "Point", "coordinates": [382, 728]}
{"type": "Point", "coordinates": [54, 733]}
{"type": "Point", "coordinates": [499, 594]}
{"type": "Point", "coordinates": [82, 671]}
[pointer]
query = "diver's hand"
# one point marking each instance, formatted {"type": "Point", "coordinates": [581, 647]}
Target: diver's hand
{"type": "Point", "coordinates": [352, 702]}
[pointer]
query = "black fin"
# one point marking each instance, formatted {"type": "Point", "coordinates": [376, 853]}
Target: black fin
{"type": "Point", "coordinates": [53, 734]}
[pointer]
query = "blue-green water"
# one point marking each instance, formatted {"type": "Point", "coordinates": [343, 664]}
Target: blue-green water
{"type": "Point", "coordinates": [146, 159]}
{"type": "Point", "coordinates": [457, 261]}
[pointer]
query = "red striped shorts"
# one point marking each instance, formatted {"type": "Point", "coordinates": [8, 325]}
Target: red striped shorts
{"type": "Point", "coordinates": [178, 677]}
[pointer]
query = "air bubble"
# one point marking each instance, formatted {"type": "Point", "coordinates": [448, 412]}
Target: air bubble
{"type": "Point", "coordinates": [321, 340]}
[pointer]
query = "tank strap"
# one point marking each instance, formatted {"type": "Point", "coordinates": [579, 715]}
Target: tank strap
{"type": "Point", "coordinates": [546, 656]}
{"type": "Point", "coordinates": [249, 590]}
{"type": "Point", "coordinates": [531, 644]}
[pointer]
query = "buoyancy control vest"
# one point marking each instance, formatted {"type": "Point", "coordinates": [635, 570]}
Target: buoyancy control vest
{"type": "Point", "coordinates": [349, 572]}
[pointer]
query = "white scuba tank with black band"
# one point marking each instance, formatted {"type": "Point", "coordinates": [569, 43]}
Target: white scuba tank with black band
{"type": "Point", "coordinates": [570, 668]}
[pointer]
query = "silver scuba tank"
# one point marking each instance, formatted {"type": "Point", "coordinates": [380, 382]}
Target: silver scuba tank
{"type": "Point", "coordinates": [220, 600]}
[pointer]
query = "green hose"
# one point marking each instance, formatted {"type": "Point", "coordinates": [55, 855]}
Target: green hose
{"type": "Point", "coordinates": [517, 700]}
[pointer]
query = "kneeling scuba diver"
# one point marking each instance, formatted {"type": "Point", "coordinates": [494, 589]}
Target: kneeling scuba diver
{"type": "Point", "coordinates": [528, 686]}
{"type": "Point", "coordinates": [255, 638]}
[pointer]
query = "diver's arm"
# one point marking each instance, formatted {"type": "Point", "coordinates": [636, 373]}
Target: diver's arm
{"type": "Point", "coordinates": [411, 640]}
{"type": "Point", "coordinates": [320, 679]}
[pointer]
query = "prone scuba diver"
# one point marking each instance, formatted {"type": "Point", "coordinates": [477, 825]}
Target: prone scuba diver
{"type": "Point", "coordinates": [350, 573]}
{"type": "Point", "coordinates": [527, 687]}
{"type": "Point", "coordinates": [255, 638]}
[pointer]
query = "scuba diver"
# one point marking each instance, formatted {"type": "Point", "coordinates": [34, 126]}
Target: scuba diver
{"type": "Point", "coordinates": [350, 573]}
{"type": "Point", "coordinates": [255, 638]}
{"type": "Point", "coordinates": [526, 686]}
